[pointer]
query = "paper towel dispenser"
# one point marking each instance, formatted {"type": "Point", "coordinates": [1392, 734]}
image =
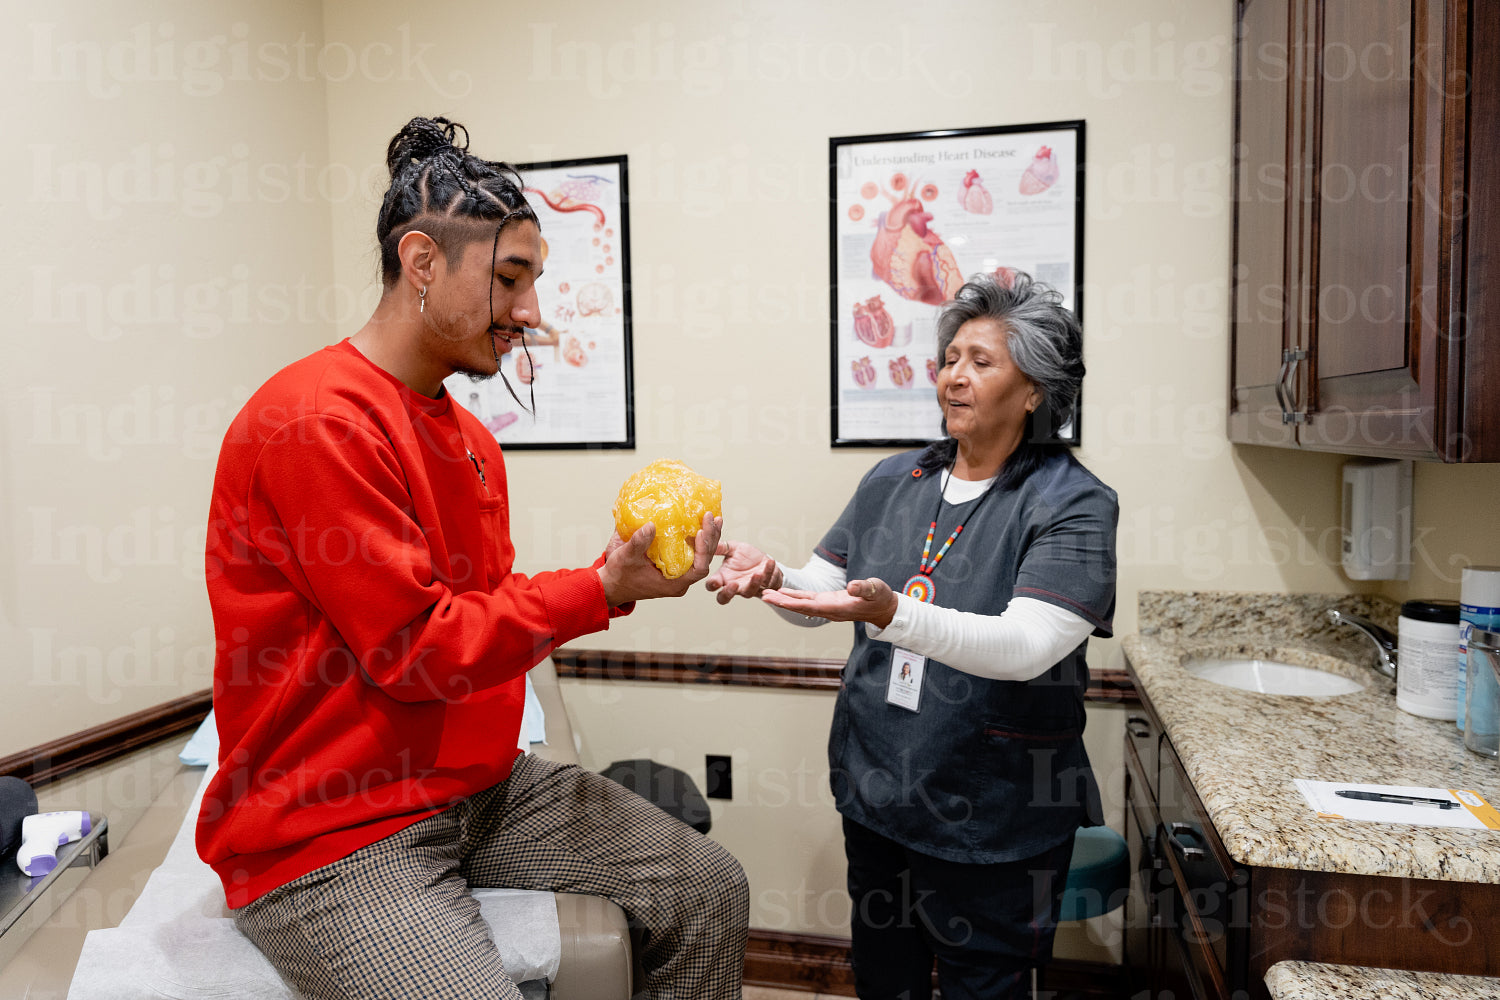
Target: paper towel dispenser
{"type": "Point", "coordinates": [1377, 520]}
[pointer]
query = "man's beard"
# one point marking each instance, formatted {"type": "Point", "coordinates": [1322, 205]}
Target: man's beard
{"type": "Point", "coordinates": [476, 376]}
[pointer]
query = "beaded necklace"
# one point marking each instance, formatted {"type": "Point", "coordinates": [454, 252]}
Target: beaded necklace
{"type": "Point", "coordinates": [920, 586]}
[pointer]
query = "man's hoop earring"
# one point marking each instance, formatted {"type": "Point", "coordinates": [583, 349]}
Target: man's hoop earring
{"type": "Point", "coordinates": [422, 300]}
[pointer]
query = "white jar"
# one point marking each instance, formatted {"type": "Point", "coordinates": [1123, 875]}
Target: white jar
{"type": "Point", "coordinates": [1427, 659]}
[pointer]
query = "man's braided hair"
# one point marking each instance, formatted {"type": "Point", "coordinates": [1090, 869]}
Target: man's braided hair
{"type": "Point", "coordinates": [441, 188]}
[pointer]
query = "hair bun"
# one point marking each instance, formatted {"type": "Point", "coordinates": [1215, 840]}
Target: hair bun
{"type": "Point", "coordinates": [421, 139]}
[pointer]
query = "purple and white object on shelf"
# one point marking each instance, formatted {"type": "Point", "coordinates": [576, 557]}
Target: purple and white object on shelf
{"type": "Point", "coordinates": [43, 833]}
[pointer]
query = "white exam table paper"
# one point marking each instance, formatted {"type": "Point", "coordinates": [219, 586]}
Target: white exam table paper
{"type": "Point", "coordinates": [179, 940]}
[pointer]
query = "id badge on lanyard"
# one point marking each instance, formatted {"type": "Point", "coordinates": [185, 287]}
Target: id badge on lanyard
{"type": "Point", "coordinates": [904, 689]}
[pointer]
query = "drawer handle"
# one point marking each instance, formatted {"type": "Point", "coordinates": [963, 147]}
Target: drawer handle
{"type": "Point", "coordinates": [1138, 727]}
{"type": "Point", "coordinates": [1176, 830]}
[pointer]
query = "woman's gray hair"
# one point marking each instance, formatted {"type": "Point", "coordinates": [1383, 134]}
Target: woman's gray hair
{"type": "Point", "coordinates": [1044, 339]}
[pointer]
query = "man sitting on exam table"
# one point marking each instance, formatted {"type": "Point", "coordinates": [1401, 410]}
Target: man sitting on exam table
{"type": "Point", "coordinates": [372, 644]}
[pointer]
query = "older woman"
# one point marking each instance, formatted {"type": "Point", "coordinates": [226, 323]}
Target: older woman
{"type": "Point", "coordinates": [978, 568]}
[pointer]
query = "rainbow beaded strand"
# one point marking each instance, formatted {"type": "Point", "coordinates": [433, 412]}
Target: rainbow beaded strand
{"type": "Point", "coordinates": [921, 586]}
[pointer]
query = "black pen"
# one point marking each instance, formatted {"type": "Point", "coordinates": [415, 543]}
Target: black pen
{"type": "Point", "coordinates": [1400, 800]}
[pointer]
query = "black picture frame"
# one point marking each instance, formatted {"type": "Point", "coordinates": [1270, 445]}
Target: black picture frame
{"type": "Point", "coordinates": [863, 413]}
{"type": "Point", "coordinates": [586, 274]}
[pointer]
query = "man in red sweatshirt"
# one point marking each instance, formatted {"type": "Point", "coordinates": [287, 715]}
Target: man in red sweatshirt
{"type": "Point", "coordinates": [373, 642]}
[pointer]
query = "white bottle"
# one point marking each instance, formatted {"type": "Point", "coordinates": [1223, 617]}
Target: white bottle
{"type": "Point", "coordinates": [1427, 659]}
{"type": "Point", "coordinates": [1478, 607]}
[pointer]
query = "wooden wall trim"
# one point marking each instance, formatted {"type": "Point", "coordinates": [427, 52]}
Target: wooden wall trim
{"type": "Point", "coordinates": [1113, 686]}
{"type": "Point", "coordinates": [786, 672]}
{"type": "Point", "coordinates": [101, 744]}
{"type": "Point", "coordinates": [813, 963]}
{"type": "Point", "coordinates": [690, 668]}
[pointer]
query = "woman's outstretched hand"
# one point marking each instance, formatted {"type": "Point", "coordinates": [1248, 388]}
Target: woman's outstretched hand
{"type": "Point", "coordinates": [745, 572]}
{"type": "Point", "coordinates": [861, 601]}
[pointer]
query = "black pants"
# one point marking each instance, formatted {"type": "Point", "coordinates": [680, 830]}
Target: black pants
{"type": "Point", "coordinates": [986, 924]}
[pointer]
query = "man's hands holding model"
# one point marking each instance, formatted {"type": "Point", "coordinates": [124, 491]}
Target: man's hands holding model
{"type": "Point", "coordinates": [628, 575]}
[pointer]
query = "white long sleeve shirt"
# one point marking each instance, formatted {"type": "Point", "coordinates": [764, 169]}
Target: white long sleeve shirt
{"type": "Point", "coordinates": [1020, 643]}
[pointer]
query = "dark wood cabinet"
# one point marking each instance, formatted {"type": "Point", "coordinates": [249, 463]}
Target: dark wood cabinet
{"type": "Point", "coordinates": [1203, 925]}
{"type": "Point", "coordinates": [1143, 938]}
{"type": "Point", "coordinates": [1366, 247]}
{"type": "Point", "coordinates": [1187, 927]}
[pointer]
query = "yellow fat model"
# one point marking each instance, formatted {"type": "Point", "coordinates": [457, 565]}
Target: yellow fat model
{"type": "Point", "coordinates": [674, 498]}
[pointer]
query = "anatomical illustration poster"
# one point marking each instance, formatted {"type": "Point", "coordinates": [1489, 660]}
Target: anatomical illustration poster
{"type": "Point", "coordinates": [913, 216]}
{"type": "Point", "coordinates": [577, 361]}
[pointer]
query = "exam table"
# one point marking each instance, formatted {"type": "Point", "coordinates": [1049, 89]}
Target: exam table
{"type": "Point", "coordinates": [594, 960]}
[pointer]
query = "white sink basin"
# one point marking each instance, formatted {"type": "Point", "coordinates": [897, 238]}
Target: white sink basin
{"type": "Point", "coordinates": [1270, 677]}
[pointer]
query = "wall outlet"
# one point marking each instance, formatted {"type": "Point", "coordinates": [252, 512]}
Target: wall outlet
{"type": "Point", "coordinates": [718, 776]}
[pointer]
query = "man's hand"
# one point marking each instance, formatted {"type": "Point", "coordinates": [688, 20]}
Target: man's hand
{"type": "Point", "coordinates": [861, 601]}
{"type": "Point", "coordinates": [745, 572]}
{"type": "Point", "coordinates": [628, 575]}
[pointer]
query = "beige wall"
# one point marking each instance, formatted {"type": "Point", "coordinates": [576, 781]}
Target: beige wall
{"type": "Point", "coordinates": [163, 257]}
{"type": "Point", "coordinates": [1453, 525]}
{"type": "Point", "coordinates": [143, 311]}
{"type": "Point", "coordinates": [726, 115]}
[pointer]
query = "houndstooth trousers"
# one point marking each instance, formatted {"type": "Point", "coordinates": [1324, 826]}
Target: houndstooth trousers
{"type": "Point", "coordinates": [395, 919]}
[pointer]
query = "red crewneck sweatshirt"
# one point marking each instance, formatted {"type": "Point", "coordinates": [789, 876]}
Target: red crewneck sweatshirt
{"type": "Point", "coordinates": [371, 637]}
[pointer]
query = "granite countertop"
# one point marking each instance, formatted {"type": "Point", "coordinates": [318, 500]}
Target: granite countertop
{"type": "Point", "coordinates": [1314, 981]}
{"type": "Point", "coordinates": [1242, 750]}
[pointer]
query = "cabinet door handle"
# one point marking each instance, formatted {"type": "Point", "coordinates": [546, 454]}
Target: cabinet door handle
{"type": "Point", "coordinates": [1137, 726]}
{"type": "Point", "coordinates": [1281, 394]}
{"type": "Point", "coordinates": [1286, 386]}
{"type": "Point", "coordinates": [1176, 830]}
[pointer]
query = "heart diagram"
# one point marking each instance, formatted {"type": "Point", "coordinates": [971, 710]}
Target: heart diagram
{"type": "Point", "coordinates": [1041, 174]}
{"type": "Point", "coordinates": [974, 198]}
{"type": "Point", "coordinates": [909, 256]}
{"type": "Point", "coordinates": [873, 323]}
{"type": "Point", "coordinates": [900, 369]}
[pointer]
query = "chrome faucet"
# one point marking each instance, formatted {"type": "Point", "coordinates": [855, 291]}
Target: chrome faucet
{"type": "Point", "coordinates": [1385, 642]}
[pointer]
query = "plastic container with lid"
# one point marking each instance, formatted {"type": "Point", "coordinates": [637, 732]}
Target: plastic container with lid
{"type": "Point", "coordinates": [1478, 607]}
{"type": "Point", "coordinates": [1427, 654]}
{"type": "Point", "coordinates": [1482, 732]}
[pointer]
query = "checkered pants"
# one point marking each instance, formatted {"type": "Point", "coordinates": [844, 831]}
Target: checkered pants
{"type": "Point", "coordinates": [395, 919]}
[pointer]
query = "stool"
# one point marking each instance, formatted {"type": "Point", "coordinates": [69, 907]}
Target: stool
{"type": "Point", "coordinates": [1098, 878]}
{"type": "Point", "coordinates": [1098, 874]}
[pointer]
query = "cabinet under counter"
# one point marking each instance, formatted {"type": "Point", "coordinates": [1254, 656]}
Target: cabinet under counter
{"type": "Point", "coordinates": [1236, 871]}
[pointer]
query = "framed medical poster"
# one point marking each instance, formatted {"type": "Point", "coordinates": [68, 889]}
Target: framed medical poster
{"type": "Point", "coordinates": [579, 370]}
{"type": "Point", "coordinates": [912, 216]}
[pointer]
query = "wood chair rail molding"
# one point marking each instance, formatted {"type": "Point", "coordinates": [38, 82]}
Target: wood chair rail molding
{"type": "Point", "coordinates": [787, 672]}
{"type": "Point", "coordinates": [104, 743]}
